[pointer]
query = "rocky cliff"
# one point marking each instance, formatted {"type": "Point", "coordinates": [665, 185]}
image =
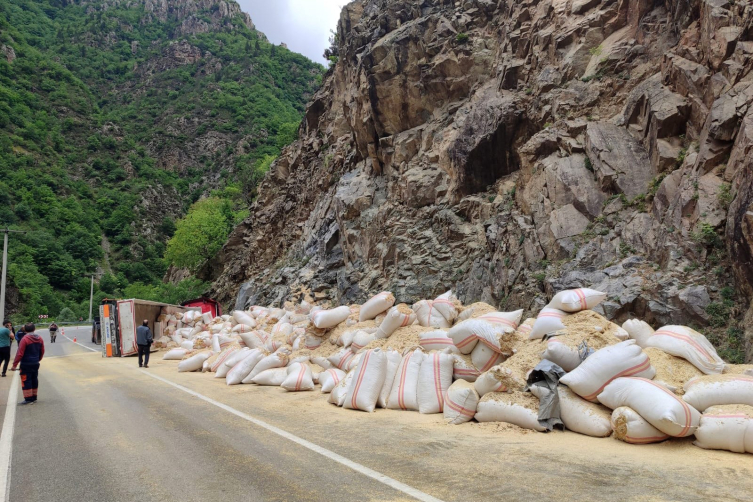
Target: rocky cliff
{"type": "Point", "coordinates": [509, 149]}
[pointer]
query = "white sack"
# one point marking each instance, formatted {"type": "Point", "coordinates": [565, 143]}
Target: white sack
{"type": "Point", "coordinates": [439, 313]}
{"type": "Point", "coordinates": [496, 407]}
{"type": "Point", "coordinates": [242, 369]}
{"type": "Point", "coordinates": [583, 416]}
{"type": "Point", "coordinates": [394, 320]}
{"type": "Point", "coordinates": [575, 300]}
{"type": "Point", "coordinates": [252, 340]}
{"type": "Point", "coordinates": [506, 319]}
{"type": "Point", "coordinates": [624, 359]}
{"type": "Point", "coordinates": [273, 377]}
{"type": "Point", "coordinates": [548, 321]}
{"type": "Point", "coordinates": [237, 357]}
{"type": "Point", "coordinates": [560, 354]}
{"type": "Point", "coordinates": [461, 402]}
{"type": "Point", "coordinates": [375, 306]}
{"type": "Point", "coordinates": [484, 357]}
{"type": "Point", "coordinates": [463, 368]}
{"type": "Point", "coordinates": [323, 319]}
{"type": "Point", "coordinates": [195, 362]}
{"type": "Point", "coordinates": [175, 355]}
{"type": "Point", "coordinates": [655, 403]}
{"type": "Point", "coordinates": [630, 427]}
{"type": "Point", "coordinates": [330, 378]}
{"type": "Point", "coordinates": [299, 378]}
{"type": "Point", "coordinates": [337, 396]}
{"type": "Point", "coordinates": [244, 319]}
{"type": "Point", "coordinates": [435, 340]}
{"type": "Point", "coordinates": [342, 358]}
{"type": "Point", "coordinates": [367, 382]}
{"type": "Point", "coordinates": [434, 378]}
{"type": "Point", "coordinates": [187, 345]}
{"type": "Point", "coordinates": [726, 428]}
{"type": "Point", "coordinates": [498, 379]}
{"type": "Point", "coordinates": [681, 341]}
{"type": "Point", "coordinates": [393, 362]}
{"type": "Point", "coordinates": [404, 392]}
{"type": "Point", "coordinates": [271, 361]}
{"type": "Point", "coordinates": [361, 339]}
{"type": "Point", "coordinates": [707, 391]}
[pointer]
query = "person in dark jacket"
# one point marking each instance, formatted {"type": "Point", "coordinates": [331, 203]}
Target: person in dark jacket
{"type": "Point", "coordinates": [144, 339]}
{"type": "Point", "coordinates": [29, 355]}
{"type": "Point", "coordinates": [20, 334]}
{"type": "Point", "coordinates": [53, 332]}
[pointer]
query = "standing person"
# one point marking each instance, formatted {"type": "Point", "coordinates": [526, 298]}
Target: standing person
{"type": "Point", "coordinates": [30, 353]}
{"type": "Point", "coordinates": [144, 340]}
{"type": "Point", "coordinates": [6, 337]}
{"type": "Point", "coordinates": [53, 332]}
{"type": "Point", "coordinates": [20, 334]}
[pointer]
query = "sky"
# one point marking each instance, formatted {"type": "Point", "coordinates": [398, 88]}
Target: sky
{"type": "Point", "coordinates": [302, 24]}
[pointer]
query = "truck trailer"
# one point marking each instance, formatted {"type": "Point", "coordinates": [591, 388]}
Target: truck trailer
{"type": "Point", "coordinates": [120, 318]}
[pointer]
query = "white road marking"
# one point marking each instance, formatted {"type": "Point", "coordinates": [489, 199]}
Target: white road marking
{"type": "Point", "coordinates": [378, 476]}
{"type": "Point", "coordinates": [84, 346]}
{"type": "Point", "coordinates": [6, 438]}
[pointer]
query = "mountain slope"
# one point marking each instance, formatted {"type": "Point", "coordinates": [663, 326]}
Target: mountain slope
{"type": "Point", "coordinates": [114, 117]}
{"type": "Point", "coordinates": [508, 150]}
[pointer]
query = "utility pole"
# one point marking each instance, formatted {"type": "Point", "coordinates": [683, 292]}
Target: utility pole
{"type": "Point", "coordinates": [91, 299]}
{"type": "Point", "coordinates": [5, 270]}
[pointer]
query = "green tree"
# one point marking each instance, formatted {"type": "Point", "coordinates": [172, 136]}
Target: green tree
{"type": "Point", "coordinates": [67, 315]}
{"type": "Point", "coordinates": [201, 233]}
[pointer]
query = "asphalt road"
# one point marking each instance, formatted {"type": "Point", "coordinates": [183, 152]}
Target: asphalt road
{"type": "Point", "coordinates": [104, 429]}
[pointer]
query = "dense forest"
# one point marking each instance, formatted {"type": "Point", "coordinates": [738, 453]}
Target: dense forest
{"type": "Point", "coordinates": [114, 121]}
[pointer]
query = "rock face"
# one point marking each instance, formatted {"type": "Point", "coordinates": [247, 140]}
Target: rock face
{"type": "Point", "coordinates": [510, 149]}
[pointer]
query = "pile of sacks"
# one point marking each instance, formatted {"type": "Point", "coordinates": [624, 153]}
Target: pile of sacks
{"type": "Point", "coordinates": [567, 366]}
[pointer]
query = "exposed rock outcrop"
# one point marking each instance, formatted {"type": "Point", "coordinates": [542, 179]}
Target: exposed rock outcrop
{"type": "Point", "coordinates": [510, 149]}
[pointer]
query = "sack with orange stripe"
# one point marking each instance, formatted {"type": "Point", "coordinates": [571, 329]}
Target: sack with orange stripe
{"type": "Point", "coordinates": [548, 321]}
{"type": "Point", "coordinates": [341, 359]}
{"type": "Point", "coordinates": [276, 360]}
{"type": "Point", "coordinates": [367, 382]}
{"type": "Point", "coordinates": [298, 378]}
{"type": "Point", "coordinates": [330, 378]}
{"type": "Point", "coordinates": [630, 427]}
{"type": "Point", "coordinates": [397, 317]}
{"type": "Point", "coordinates": [638, 330]}
{"type": "Point", "coordinates": [337, 396]}
{"type": "Point", "coordinates": [376, 305]}
{"type": "Point", "coordinates": [438, 313]}
{"type": "Point", "coordinates": [436, 340]}
{"type": "Point", "coordinates": [242, 318]}
{"type": "Point", "coordinates": [460, 403]}
{"type": "Point", "coordinates": [361, 339]}
{"type": "Point", "coordinates": [242, 369]}
{"type": "Point", "coordinates": [434, 378]}
{"type": "Point", "coordinates": [498, 379]}
{"type": "Point", "coordinates": [681, 341]}
{"type": "Point", "coordinates": [624, 359]}
{"type": "Point", "coordinates": [655, 403]}
{"type": "Point", "coordinates": [715, 390]}
{"type": "Point", "coordinates": [463, 368]}
{"type": "Point", "coordinates": [393, 362]}
{"type": "Point", "coordinates": [575, 300]}
{"type": "Point", "coordinates": [726, 428]}
{"type": "Point", "coordinates": [404, 392]}
{"type": "Point", "coordinates": [485, 357]}
{"type": "Point", "coordinates": [330, 318]}
{"type": "Point", "coordinates": [467, 334]}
